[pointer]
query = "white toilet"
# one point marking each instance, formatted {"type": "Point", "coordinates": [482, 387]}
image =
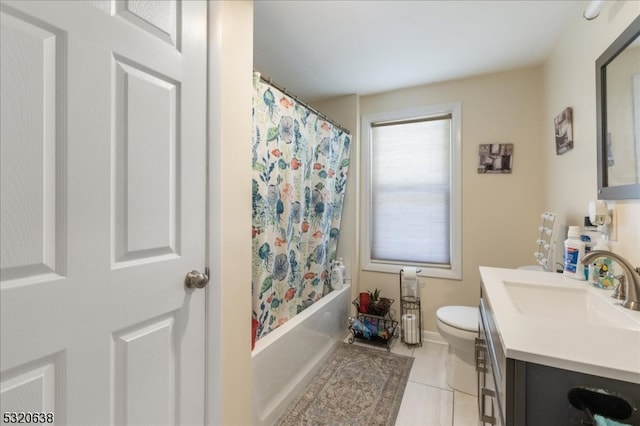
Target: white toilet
{"type": "Point", "coordinates": [458, 325]}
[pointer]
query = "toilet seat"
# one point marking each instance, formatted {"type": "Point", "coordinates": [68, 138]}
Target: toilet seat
{"type": "Point", "coordinates": [463, 318]}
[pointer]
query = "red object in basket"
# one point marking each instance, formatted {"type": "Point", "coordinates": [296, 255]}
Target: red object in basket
{"type": "Point", "coordinates": [364, 303]}
{"type": "Point", "coordinates": [254, 331]}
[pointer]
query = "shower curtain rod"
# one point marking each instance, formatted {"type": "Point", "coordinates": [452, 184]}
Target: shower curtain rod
{"type": "Point", "coordinates": [306, 105]}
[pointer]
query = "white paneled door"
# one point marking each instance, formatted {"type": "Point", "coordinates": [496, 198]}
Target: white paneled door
{"type": "Point", "coordinates": [103, 211]}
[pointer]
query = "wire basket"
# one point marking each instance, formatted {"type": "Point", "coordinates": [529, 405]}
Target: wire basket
{"type": "Point", "coordinates": [379, 308]}
{"type": "Point", "coordinates": [373, 328]}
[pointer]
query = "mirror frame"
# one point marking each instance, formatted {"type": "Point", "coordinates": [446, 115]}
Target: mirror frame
{"type": "Point", "coordinates": [606, 192]}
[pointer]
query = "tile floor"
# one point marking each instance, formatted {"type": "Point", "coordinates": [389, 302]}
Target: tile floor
{"type": "Point", "coordinates": [428, 400]}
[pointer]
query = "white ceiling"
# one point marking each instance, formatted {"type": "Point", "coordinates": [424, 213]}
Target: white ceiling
{"type": "Point", "coordinates": [320, 49]}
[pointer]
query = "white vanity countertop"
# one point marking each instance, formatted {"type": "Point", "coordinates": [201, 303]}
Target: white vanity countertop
{"type": "Point", "coordinates": [584, 346]}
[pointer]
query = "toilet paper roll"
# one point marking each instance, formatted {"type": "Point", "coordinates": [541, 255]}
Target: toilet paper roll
{"type": "Point", "coordinates": [410, 329]}
{"type": "Point", "coordinates": [410, 273]}
{"type": "Point", "coordinates": [410, 281]}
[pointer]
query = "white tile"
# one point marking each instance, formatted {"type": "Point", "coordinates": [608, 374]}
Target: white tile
{"type": "Point", "coordinates": [465, 409]}
{"type": "Point", "coordinates": [402, 349]}
{"type": "Point", "coordinates": [430, 365]}
{"type": "Point", "coordinates": [424, 405]}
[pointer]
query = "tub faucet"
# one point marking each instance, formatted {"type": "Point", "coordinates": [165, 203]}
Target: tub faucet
{"type": "Point", "coordinates": [632, 281]}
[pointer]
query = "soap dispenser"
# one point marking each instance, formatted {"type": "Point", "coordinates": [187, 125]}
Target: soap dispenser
{"type": "Point", "coordinates": [601, 273]}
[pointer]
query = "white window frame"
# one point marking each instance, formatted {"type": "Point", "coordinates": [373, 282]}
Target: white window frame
{"type": "Point", "coordinates": [454, 271]}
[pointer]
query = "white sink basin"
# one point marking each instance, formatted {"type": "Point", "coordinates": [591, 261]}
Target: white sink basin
{"type": "Point", "coordinates": [569, 304]}
{"type": "Point", "coordinates": [549, 319]}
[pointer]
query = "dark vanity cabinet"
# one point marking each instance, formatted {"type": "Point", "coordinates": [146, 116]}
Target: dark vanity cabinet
{"type": "Point", "coordinates": [491, 365]}
{"type": "Point", "coordinates": [513, 392]}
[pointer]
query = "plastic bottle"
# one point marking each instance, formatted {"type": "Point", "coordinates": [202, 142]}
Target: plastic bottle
{"type": "Point", "coordinates": [574, 250]}
{"type": "Point", "coordinates": [337, 279]}
{"type": "Point", "coordinates": [343, 269]}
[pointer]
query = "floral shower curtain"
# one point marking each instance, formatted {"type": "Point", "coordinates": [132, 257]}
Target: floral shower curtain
{"type": "Point", "coordinates": [300, 164]}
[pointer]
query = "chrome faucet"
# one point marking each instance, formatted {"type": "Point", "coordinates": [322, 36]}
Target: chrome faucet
{"type": "Point", "coordinates": [632, 281]}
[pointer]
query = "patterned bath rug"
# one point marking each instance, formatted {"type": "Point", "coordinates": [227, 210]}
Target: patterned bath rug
{"type": "Point", "coordinates": [357, 386]}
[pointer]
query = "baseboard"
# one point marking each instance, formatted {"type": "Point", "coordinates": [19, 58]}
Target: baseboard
{"type": "Point", "coordinates": [433, 337]}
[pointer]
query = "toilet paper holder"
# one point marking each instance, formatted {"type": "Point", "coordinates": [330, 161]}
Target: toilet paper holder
{"type": "Point", "coordinates": [410, 311]}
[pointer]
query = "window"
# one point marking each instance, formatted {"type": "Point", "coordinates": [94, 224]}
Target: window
{"type": "Point", "coordinates": [411, 201]}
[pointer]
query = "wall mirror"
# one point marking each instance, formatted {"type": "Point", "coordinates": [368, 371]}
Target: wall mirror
{"type": "Point", "coordinates": [618, 117]}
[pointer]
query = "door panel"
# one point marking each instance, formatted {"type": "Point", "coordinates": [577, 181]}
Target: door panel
{"type": "Point", "coordinates": [159, 17]}
{"type": "Point", "coordinates": [144, 367]}
{"type": "Point", "coordinates": [145, 186]}
{"type": "Point", "coordinates": [103, 210]}
{"type": "Point", "coordinates": [33, 385]}
{"type": "Point", "coordinates": [30, 146]}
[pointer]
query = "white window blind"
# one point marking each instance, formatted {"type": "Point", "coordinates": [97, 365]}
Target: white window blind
{"type": "Point", "coordinates": [410, 188]}
{"type": "Point", "coordinates": [412, 191]}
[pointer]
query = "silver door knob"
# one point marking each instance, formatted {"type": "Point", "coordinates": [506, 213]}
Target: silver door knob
{"type": "Point", "coordinates": [195, 279]}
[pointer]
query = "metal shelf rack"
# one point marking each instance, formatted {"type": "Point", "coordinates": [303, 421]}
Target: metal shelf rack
{"type": "Point", "coordinates": [410, 317]}
{"type": "Point", "coordinates": [373, 329]}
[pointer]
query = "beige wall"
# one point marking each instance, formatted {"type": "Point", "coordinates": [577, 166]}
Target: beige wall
{"type": "Point", "coordinates": [229, 377]}
{"type": "Point", "coordinates": [569, 80]}
{"type": "Point", "coordinates": [500, 213]}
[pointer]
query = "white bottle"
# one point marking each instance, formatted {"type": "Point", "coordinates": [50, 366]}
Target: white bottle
{"type": "Point", "coordinates": [574, 250]}
{"type": "Point", "coordinates": [343, 269]}
{"type": "Point", "coordinates": [337, 280]}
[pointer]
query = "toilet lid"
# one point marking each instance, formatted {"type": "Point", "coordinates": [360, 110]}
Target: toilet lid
{"type": "Point", "coordinates": [461, 317]}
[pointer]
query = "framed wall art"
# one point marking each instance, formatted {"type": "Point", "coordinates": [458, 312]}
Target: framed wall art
{"type": "Point", "coordinates": [495, 158]}
{"type": "Point", "coordinates": [563, 125]}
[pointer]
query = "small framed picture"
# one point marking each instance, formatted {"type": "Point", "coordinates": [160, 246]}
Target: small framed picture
{"type": "Point", "coordinates": [495, 158]}
{"type": "Point", "coordinates": [563, 125]}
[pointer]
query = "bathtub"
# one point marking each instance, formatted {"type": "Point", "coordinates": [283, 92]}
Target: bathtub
{"type": "Point", "coordinates": [285, 360]}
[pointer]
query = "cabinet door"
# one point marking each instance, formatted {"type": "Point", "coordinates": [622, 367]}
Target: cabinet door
{"type": "Point", "coordinates": [488, 409]}
{"type": "Point", "coordinates": [547, 390]}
